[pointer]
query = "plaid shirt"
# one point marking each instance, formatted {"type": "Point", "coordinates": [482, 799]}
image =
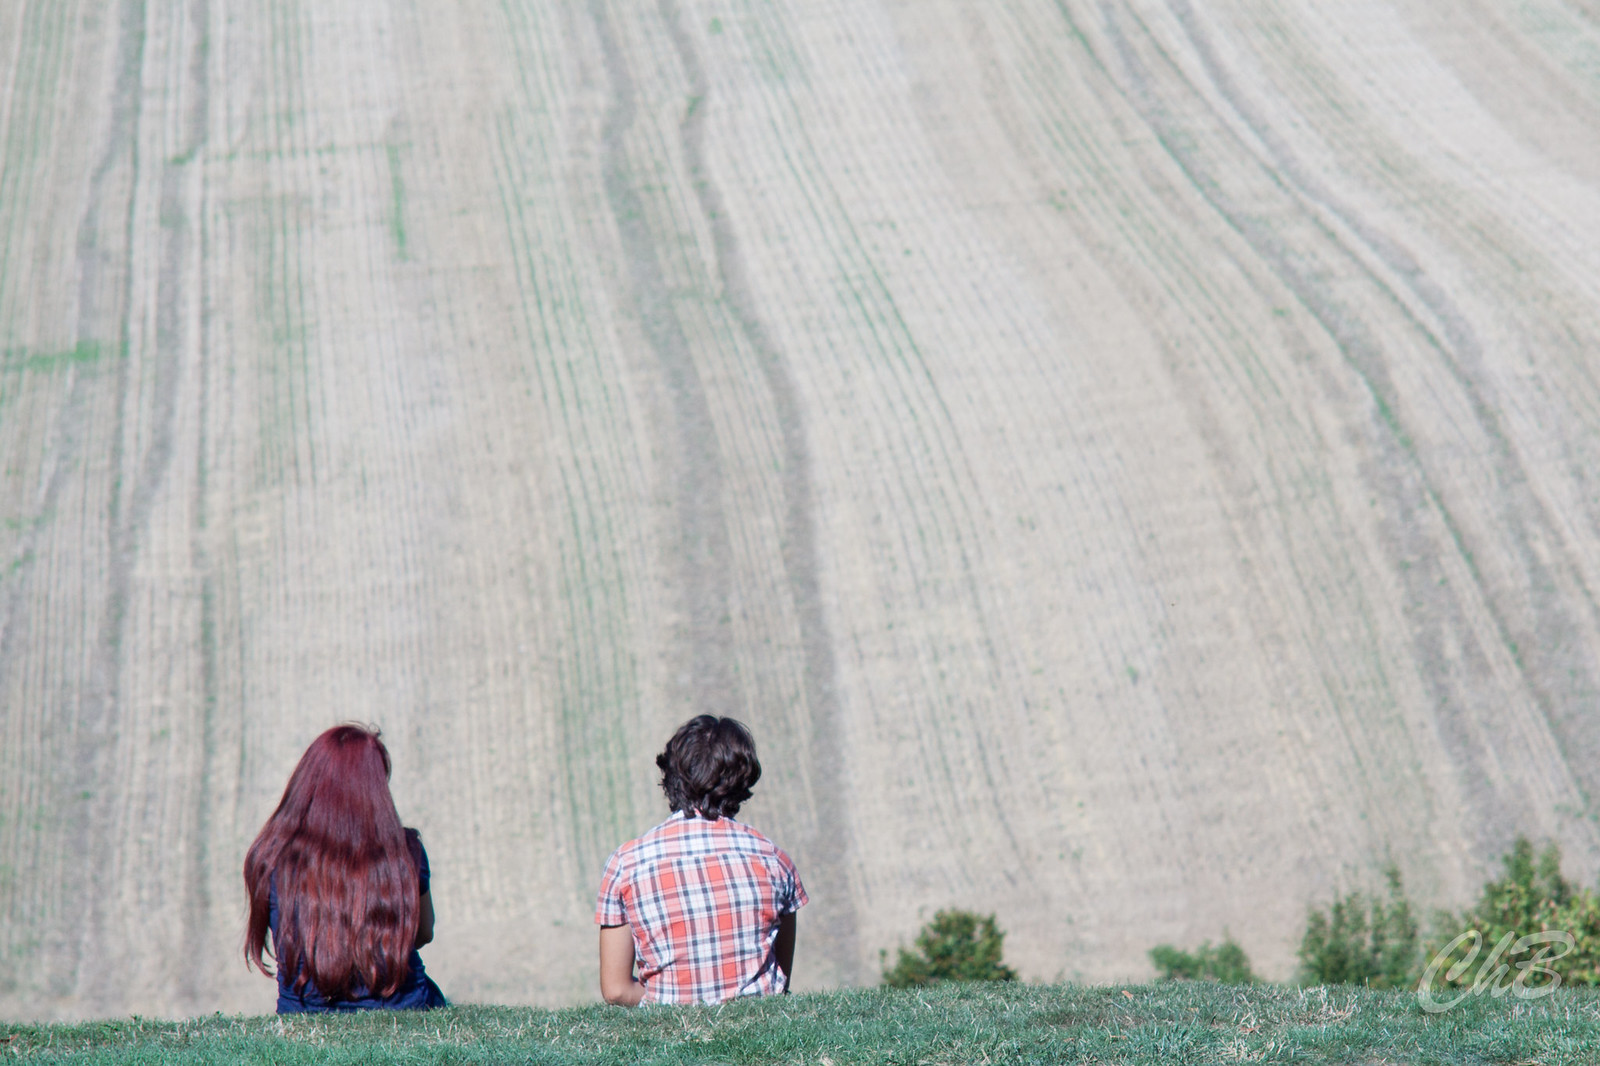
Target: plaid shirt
{"type": "Point", "coordinates": [703, 899]}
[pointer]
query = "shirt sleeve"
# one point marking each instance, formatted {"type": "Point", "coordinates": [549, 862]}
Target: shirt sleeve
{"type": "Point", "coordinates": [420, 853]}
{"type": "Point", "coordinates": [791, 894]}
{"type": "Point", "coordinates": [611, 908]}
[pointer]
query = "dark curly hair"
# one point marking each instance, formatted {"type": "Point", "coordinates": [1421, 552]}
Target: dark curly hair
{"type": "Point", "coordinates": [709, 767]}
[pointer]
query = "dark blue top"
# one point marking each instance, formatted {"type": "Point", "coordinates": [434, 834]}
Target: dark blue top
{"type": "Point", "coordinates": [416, 992]}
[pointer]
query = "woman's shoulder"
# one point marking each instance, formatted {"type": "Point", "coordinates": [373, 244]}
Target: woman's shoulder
{"type": "Point", "coordinates": [419, 855]}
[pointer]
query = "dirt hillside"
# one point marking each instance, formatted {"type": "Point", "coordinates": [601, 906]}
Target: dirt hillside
{"type": "Point", "coordinates": [1133, 464]}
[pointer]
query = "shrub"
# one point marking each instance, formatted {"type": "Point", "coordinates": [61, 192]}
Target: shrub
{"type": "Point", "coordinates": [1362, 940]}
{"type": "Point", "coordinates": [955, 946]}
{"type": "Point", "coordinates": [1532, 896]}
{"type": "Point", "coordinates": [1226, 964]}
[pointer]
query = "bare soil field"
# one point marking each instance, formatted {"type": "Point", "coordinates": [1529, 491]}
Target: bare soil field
{"type": "Point", "coordinates": [1135, 465]}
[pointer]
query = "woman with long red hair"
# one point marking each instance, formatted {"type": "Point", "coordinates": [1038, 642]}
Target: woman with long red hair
{"type": "Point", "coordinates": [341, 886]}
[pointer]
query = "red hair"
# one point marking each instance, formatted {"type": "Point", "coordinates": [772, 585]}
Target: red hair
{"type": "Point", "coordinates": [344, 870]}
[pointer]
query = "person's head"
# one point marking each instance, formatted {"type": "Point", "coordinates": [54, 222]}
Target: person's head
{"type": "Point", "coordinates": [344, 872]}
{"type": "Point", "coordinates": [709, 767]}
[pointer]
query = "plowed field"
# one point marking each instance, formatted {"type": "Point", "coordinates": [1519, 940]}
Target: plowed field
{"type": "Point", "coordinates": [1135, 465]}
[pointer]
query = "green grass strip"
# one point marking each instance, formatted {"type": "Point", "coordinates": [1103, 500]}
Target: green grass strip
{"type": "Point", "coordinates": [25, 359]}
{"type": "Point", "coordinates": [397, 198]}
{"type": "Point", "coordinates": [1186, 1022]}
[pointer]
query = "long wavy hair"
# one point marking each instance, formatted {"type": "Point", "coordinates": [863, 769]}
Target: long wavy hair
{"type": "Point", "coordinates": [345, 872]}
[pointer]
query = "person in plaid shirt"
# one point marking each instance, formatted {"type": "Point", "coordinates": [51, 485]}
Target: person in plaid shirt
{"type": "Point", "coordinates": [703, 904]}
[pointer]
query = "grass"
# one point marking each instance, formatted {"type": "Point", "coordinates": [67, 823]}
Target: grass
{"type": "Point", "coordinates": [397, 197]}
{"type": "Point", "coordinates": [1186, 1022]}
{"type": "Point", "coordinates": [26, 359]}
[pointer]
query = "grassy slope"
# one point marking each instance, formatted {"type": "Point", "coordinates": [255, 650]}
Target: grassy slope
{"type": "Point", "coordinates": [1187, 1023]}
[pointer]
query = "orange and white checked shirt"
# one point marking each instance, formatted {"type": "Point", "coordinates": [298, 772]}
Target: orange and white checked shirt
{"type": "Point", "coordinates": [704, 899]}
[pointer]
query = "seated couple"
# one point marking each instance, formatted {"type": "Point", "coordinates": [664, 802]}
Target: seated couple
{"type": "Point", "coordinates": [698, 910]}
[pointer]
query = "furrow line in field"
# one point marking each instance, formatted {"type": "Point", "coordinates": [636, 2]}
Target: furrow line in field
{"type": "Point", "coordinates": [737, 399]}
{"type": "Point", "coordinates": [924, 537]}
{"type": "Point", "coordinates": [1337, 120]}
{"type": "Point", "coordinates": [698, 477]}
{"type": "Point", "coordinates": [594, 714]}
{"type": "Point", "coordinates": [211, 832]}
{"type": "Point", "coordinates": [276, 489]}
{"type": "Point", "coordinates": [418, 282]}
{"type": "Point", "coordinates": [813, 231]}
{"type": "Point", "coordinates": [584, 699]}
{"type": "Point", "coordinates": [566, 273]}
{"type": "Point", "coordinates": [163, 719]}
{"type": "Point", "coordinates": [306, 138]}
{"type": "Point", "coordinates": [25, 146]}
{"type": "Point", "coordinates": [981, 735]}
{"type": "Point", "coordinates": [508, 183]}
{"type": "Point", "coordinates": [276, 443]}
{"type": "Point", "coordinates": [1105, 493]}
{"type": "Point", "coordinates": [979, 310]}
{"type": "Point", "coordinates": [760, 612]}
{"type": "Point", "coordinates": [1337, 692]}
{"type": "Point", "coordinates": [1345, 327]}
{"type": "Point", "coordinates": [292, 161]}
{"type": "Point", "coordinates": [1455, 344]}
{"type": "Point", "coordinates": [353, 60]}
{"type": "Point", "coordinates": [1079, 146]}
{"type": "Point", "coordinates": [760, 603]}
{"type": "Point", "coordinates": [41, 689]}
{"type": "Point", "coordinates": [824, 752]}
{"type": "Point", "coordinates": [103, 708]}
{"type": "Point", "coordinates": [13, 29]}
{"type": "Point", "coordinates": [1078, 152]}
{"type": "Point", "coordinates": [1450, 207]}
{"type": "Point", "coordinates": [1152, 246]}
{"type": "Point", "coordinates": [596, 703]}
{"type": "Point", "coordinates": [29, 99]}
{"type": "Point", "coordinates": [739, 406]}
{"type": "Point", "coordinates": [121, 828]}
{"type": "Point", "coordinates": [198, 936]}
{"type": "Point", "coordinates": [1011, 336]}
{"type": "Point", "coordinates": [969, 566]}
{"type": "Point", "coordinates": [1569, 38]}
{"type": "Point", "coordinates": [897, 498]}
{"type": "Point", "coordinates": [536, 327]}
{"type": "Point", "coordinates": [29, 753]}
{"type": "Point", "coordinates": [1459, 214]}
{"type": "Point", "coordinates": [1225, 343]}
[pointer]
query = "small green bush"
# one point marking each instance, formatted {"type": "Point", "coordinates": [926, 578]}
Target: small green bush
{"type": "Point", "coordinates": [1226, 964]}
{"type": "Point", "coordinates": [1362, 940]}
{"type": "Point", "coordinates": [955, 946]}
{"type": "Point", "coordinates": [1531, 897]}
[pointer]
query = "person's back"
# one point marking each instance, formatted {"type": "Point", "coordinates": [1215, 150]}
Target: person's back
{"type": "Point", "coordinates": [340, 886]}
{"type": "Point", "coordinates": [416, 991]}
{"type": "Point", "coordinates": [705, 904]}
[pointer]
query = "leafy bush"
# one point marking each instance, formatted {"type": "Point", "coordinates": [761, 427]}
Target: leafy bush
{"type": "Point", "coordinates": [1531, 897]}
{"type": "Point", "coordinates": [955, 946]}
{"type": "Point", "coordinates": [1362, 940]}
{"type": "Point", "coordinates": [1226, 964]}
